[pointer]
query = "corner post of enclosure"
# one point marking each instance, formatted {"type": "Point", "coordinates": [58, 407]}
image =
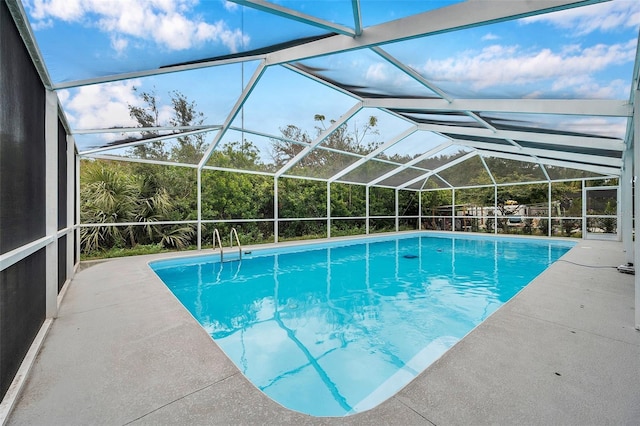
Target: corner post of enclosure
{"type": "Point", "coordinates": [397, 210]}
{"type": "Point", "coordinates": [626, 188]}
{"type": "Point", "coordinates": [199, 196]}
{"type": "Point", "coordinates": [328, 209]}
{"type": "Point", "coordinates": [51, 202]}
{"type": "Point", "coordinates": [276, 228]}
{"type": "Point", "coordinates": [366, 197]}
{"type": "Point", "coordinates": [636, 162]}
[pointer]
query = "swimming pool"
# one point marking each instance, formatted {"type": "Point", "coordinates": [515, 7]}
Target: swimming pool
{"type": "Point", "coordinates": [336, 328]}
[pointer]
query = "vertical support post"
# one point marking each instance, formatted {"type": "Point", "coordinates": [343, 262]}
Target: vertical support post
{"type": "Point", "coordinates": [549, 211]}
{"type": "Point", "coordinates": [328, 209]}
{"type": "Point", "coordinates": [276, 228]}
{"type": "Point", "coordinates": [636, 189]}
{"type": "Point", "coordinates": [626, 213]}
{"type": "Point", "coordinates": [77, 209]}
{"type": "Point", "coordinates": [71, 186]}
{"type": "Point", "coordinates": [453, 209]}
{"type": "Point", "coordinates": [199, 192]}
{"type": "Point", "coordinates": [584, 209]}
{"type": "Point", "coordinates": [51, 202]}
{"type": "Point", "coordinates": [397, 210]}
{"type": "Point", "coordinates": [366, 197]}
{"type": "Point", "coordinates": [419, 210]}
{"type": "Point", "coordinates": [495, 209]}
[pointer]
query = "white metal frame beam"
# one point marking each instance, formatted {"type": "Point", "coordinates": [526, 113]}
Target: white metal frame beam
{"type": "Point", "coordinates": [445, 19]}
{"type": "Point", "coordinates": [439, 169]}
{"type": "Point", "coordinates": [146, 141]}
{"type": "Point", "coordinates": [636, 174]}
{"type": "Point", "coordinates": [602, 170]}
{"type": "Point", "coordinates": [335, 125]}
{"type": "Point", "coordinates": [411, 73]}
{"type": "Point", "coordinates": [535, 153]}
{"type": "Point", "coordinates": [408, 164]}
{"type": "Point", "coordinates": [157, 71]}
{"type": "Point", "coordinates": [295, 15]}
{"type": "Point", "coordinates": [589, 107]}
{"type": "Point", "coordinates": [357, 16]}
{"type": "Point", "coordinates": [234, 112]}
{"type": "Point", "coordinates": [143, 129]}
{"type": "Point", "coordinates": [543, 138]}
{"type": "Point", "coordinates": [388, 144]}
{"type": "Point", "coordinates": [51, 202]}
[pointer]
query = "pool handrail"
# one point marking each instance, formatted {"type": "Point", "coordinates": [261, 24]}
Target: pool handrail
{"type": "Point", "coordinates": [216, 233]}
{"type": "Point", "coordinates": [234, 232]}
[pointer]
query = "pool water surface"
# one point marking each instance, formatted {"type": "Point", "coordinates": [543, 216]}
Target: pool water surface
{"type": "Point", "coordinates": [336, 328]}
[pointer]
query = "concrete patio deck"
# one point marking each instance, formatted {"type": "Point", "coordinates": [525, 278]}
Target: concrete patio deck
{"type": "Point", "coordinates": [124, 351]}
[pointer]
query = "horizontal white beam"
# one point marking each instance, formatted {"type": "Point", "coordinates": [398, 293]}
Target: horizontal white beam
{"type": "Point", "coordinates": [143, 129]}
{"type": "Point", "coordinates": [514, 135]}
{"type": "Point", "coordinates": [549, 153]}
{"type": "Point", "coordinates": [156, 71]}
{"type": "Point", "coordinates": [450, 18]}
{"type": "Point", "coordinates": [590, 107]}
{"type": "Point", "coordinates": [16, 255]}
{"type": "Point", "coordinates": [111, 157]}
{"type": "Point", "coordinates": [606, 171]}
{"type": "Point", "coordinates": [145, 141]}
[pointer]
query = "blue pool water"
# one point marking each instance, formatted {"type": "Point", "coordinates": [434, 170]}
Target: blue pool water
{"type": "Point", "coordinates": [337, 328]}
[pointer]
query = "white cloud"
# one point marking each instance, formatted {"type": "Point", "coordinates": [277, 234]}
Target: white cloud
{"type": "Point", "coordinates": [119, 44]}
{"type": "Point", "coordinates": [100, 106]}
{"type": "Point", "coordinates": [571, 68]}
{"type": "Point", "coordinates": [608, 16]}
{"type": "Point", "coordinates": [490, 37]}
{"type": "Point", "coordinates": [230, 6]}
{"type": "Point", "coordinates": [376, 72]}
{"type": "Point", "coordinates": [67, 10]}
{"type": "Point", "coordinates": [165, 22]}
{"type": "Point", "coordinates": [597, 126]}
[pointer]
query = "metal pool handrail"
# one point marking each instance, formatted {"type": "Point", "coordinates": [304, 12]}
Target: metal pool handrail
{"type": "Point", "coordinates": [234, 232]}
{"type": "Point", "coordinates": [216, 233]}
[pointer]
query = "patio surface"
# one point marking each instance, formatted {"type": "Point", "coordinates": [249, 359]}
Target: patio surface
{"type": "Point", "coordinates": [124, 351]}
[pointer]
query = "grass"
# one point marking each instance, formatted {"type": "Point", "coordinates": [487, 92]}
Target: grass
{"type": "Point", "coordinates": [138, 250]}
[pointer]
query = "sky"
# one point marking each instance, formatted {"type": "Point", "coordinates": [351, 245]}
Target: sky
{"type": "Point", "coordinates": [585, 53]}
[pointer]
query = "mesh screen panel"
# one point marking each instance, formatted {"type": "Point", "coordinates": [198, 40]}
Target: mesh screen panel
{"type": "Point", "coordinates": [22, 179]}
{"type": "Point", "coordinates": [62, 176]}
{"type": "Point", "coordinates": [22, 311]}
{"type": "Point", "coordinates": [62, 261]}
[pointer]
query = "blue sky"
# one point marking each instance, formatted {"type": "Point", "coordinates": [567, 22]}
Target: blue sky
{"type": "Point", "coordinates": [586, 53]}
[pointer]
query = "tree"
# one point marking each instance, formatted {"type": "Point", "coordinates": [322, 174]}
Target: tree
{"type": "Point", "coordinates": [112, 193]}
{"type": "Point", "coordinates": [188, 149]}
{"type": "Point", "coordinates": [321, 160]}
